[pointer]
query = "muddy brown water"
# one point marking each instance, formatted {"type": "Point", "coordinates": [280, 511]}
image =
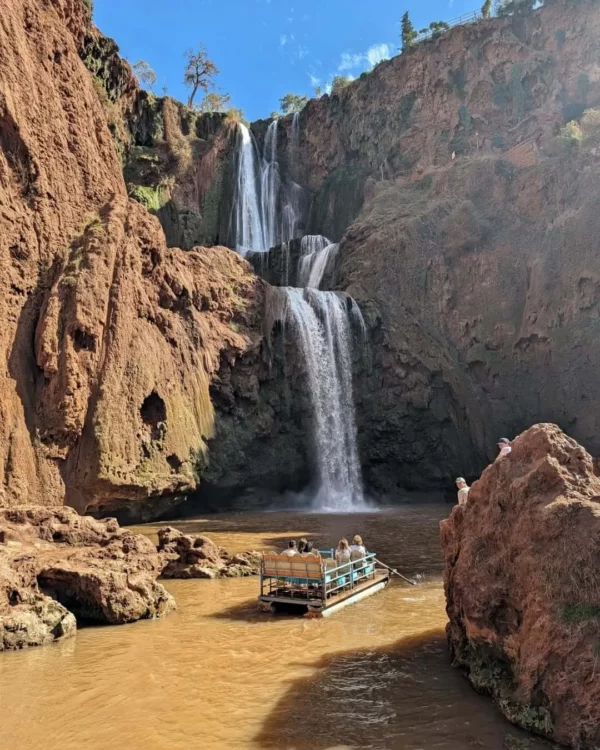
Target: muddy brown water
{"type": "Point", "coordinates": [220, 674]}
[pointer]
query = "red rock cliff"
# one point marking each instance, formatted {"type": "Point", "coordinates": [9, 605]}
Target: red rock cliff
{"type": "Point", "coordinates": [109, 341]}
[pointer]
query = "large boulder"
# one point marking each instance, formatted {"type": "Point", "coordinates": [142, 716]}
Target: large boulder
{"type": "Point", "coordinates": [28, 617]}
{"type": "Point", "coordinates": [522, 582]}
{"type": "Point", "coordinates": [190, 556]}
{"type": "Point", "coordinates": [56, 566]}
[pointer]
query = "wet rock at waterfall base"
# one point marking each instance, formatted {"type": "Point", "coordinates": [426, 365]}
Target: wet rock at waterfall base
{"type": "Point", "coordinates": [522, 582]}
{"type": "Point", "coordinates": [57, 566]}
{"type": "Point", "coordinates": [187, 556]}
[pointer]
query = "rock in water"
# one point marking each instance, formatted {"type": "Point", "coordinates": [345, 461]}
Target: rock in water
{"type": "Point", "coordinates": [522, 581]}
{"type": "Point", "coordinates": [56, 565]}
{"type": "Point", "coordinates": [188, 556]}
{"type": "Point", "coordinates": [28, 617]}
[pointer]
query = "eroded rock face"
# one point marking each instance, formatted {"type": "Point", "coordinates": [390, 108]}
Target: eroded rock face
{"type": "Point", "coordinates": [56, 566]}
{"type": "Point", "coordinates": [521, 579]}
{"type": "Point", "coordinates": [187, 556]}
{"type": "Point", "coordinates": [113, 344]}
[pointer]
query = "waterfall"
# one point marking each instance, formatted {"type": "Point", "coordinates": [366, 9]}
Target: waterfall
{"type": "Point", "coordinates": [292, 211]}
{"type": "Point", "coordinates": [270, 185]}
{"type": "Point", "coordinates": [313, 266]}
{"type": "Point", "coordinates": [266, 210]}
{"type": "Point", "coordinates": [321, 323]}
{"type": "Point", "coordinates": [248, 225]}
{"type": "Point", "coordinates": [295, 138]}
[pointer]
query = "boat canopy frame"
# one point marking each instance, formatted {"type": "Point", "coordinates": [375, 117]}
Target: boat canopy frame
{"type": "Point", "coordinates": [313, 580]}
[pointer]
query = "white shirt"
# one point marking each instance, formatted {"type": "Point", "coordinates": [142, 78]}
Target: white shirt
{"type": "Point", "coordinates": [358, 548]}
{"type": "Point", "coordinates": [463, 493]}
{"type": "Point", "coordinates": [342, 555]}
{"type": "Point", "coordinates": [290, 551]}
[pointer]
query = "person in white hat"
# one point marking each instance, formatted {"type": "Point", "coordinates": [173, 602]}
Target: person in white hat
{"type": "Point", "coordinates": [463, 490]}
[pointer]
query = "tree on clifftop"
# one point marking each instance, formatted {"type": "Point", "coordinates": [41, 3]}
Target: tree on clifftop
{"type": "Point", "coordinates": [144, 74]}
{"type": "Point", "coordinates": [486, 9]}
{"type": "Point", "coordinates": [215, 102]}
{"type": "Point", "coordinates": [409, 33]}
{"type": "Point", "coordinates": [199, 71]}
{"type": "Point", "coordinates": [292, 103]}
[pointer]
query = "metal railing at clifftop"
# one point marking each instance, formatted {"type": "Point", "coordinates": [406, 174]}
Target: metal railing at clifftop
{"type": "Point", "coordinates": [474, 15]}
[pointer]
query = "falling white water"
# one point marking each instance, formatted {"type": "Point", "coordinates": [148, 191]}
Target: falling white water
{"type": "Point", "coordinates": [292, 211]}
{"type": "Point", "coordinates": [248, 225]}
{"type": "Point", "coordinates": [269, 187]}
{"type": "Point", "coordinates": [295, 137]}
{"type": "Point", "coordinates": [267, 211]}
{"type": "Point", "coordinates": [312, 267]}
{"type": "Point", "coordinates": [324, 334]}
{"type": "Point", "coordinates": [312, 243]}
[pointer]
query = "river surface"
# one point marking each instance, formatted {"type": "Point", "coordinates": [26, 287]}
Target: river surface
{"type": "Point", "coordinates": [220, 674]}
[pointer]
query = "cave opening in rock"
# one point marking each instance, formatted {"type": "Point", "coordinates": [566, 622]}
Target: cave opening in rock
{"type": "Point", "coordinates": [83, 340]}
{"type": "Point", "coordinates": [154, 414]}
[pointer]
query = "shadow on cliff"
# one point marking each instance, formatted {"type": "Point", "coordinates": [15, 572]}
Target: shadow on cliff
{"type": "Point", "coordinates": [22, 363]}
{"type": "Point", "coordinates": [402, 697]}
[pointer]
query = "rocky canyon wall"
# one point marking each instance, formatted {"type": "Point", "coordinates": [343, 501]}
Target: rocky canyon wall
{"type": "Point", "coordinates": [114, 347]}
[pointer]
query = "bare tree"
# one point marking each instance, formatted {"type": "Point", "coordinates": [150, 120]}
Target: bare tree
{"type": "Point", "coordinates": [215, 102]}
{"type": "Point", "coordinates": [199, 71]}
{"type": "Point", "coordinates": [144, 74]}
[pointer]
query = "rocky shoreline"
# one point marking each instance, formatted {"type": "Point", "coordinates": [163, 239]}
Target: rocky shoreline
{"type": "Point", "coordinates": [58, 568]}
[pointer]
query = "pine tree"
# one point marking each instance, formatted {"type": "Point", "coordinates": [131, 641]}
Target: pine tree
{"type": "Point", "coordinates": [408, 32]}
{"type": "Point", "coordinates": [486, 9]}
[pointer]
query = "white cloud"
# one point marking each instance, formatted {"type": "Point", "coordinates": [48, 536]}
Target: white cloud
{"type": "Point", "coordinates": [283, 40]}
{"type": "Point", "coordinates": [377, 53]}
{"type": "Point", "coordinates": [314, 81]}
{"type": "Point", "coordinates": [349, 61]}
{"type": "Point", "coordinates": [302, 51]}
{"type": "Point", "coordinates": [365, 60]}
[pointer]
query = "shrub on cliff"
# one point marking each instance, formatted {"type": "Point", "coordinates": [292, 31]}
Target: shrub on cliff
{"type": "Point", "coordinates": [339, 83]}
{"type": "Point", "coordinates": [590, 122]}
{"type": "Point", "coordinates": [292, 103]}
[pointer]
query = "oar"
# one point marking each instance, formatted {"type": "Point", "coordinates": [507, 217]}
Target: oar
{"type": "Point", "coordinates": [404, 578]}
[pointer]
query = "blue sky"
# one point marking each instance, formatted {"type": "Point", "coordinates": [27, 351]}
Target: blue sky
{"type": "Point", "coordinates": [264, 48]}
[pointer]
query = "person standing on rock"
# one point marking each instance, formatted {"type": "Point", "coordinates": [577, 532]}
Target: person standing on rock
{"type": "Point", "coordinates": [504, 447]}
{"type": "Point", "coordinates": [463, 490]}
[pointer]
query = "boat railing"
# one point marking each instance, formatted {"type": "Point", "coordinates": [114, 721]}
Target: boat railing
{"type": "Point", "coordinates": [313, 576]}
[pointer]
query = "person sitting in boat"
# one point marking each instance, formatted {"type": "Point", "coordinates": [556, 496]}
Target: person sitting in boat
{"type": "Point", "coordinates": [357, 548]}
{"type": "Point", "coordinates": [302, 546]}
{"type": "Point", "coordinates": [291, 549]}
{"type": "Point", "coordinates": [309, 551]}
{"type": "Point", "coordinates": [342, 553]}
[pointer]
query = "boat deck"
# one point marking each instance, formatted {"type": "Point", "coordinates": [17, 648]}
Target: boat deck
{"type": "Point", "coordinates": [312, 602]}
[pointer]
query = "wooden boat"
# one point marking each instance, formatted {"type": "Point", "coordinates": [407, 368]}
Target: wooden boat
{"type": "Point", "coordinates": [317, 586]}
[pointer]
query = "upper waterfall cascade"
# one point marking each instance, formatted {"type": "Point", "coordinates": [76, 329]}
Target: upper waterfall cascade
{"type": "Point", "coordinates": [325, 324]}
{"type": "Point", "coordinates": [266, 209]}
